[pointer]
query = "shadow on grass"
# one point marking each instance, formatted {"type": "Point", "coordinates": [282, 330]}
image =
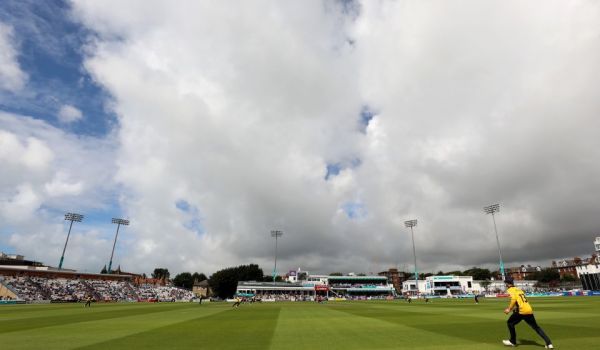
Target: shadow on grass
{"type": "Point", "coordinates": [530, 342]}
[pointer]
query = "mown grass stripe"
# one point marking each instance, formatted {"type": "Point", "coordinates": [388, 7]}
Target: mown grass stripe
{"type": "Point", "coordinates": [91, 332]}
{"type": "Point", "coordinates": [84, 315]}
{"type": "Point", "coordinates": [442, 324]}
{"type": "Point", "coordinates": [431, 326]}
{"type": "Point", "coordinates": [242, 328]}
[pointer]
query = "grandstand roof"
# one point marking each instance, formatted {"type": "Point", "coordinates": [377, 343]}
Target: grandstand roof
{"type": "Point", "coordinates": [269, 284]}
{"type": "Point", "coordinates": [357, 278]}
{"type": "Point", "coordinates": [30, 271]}
{"type": "Point", "coordinates": [371, 289]}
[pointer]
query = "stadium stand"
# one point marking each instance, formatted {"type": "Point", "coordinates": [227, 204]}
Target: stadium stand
{"type": "Point", "coordinates": [315, 286]}
{"type": "Point", "coordinates": [70, 290]}
{"type": "Point", "coordinates": [34, 285]}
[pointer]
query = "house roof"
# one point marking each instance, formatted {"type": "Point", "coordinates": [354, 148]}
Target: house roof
{"type": "Point", "coordinates": [203, 284]}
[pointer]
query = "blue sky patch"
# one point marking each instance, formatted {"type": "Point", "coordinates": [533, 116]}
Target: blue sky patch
{"type": "Point", "coordinates": [332, 170]}
{"type": "Point", "coordinates": [366, 115]}
{"type": "Point", "coordinates": [50, 47]}
{"type": "Point", "coordinates": [355, 210]}
{"type": "Point", "coordinates": [194, 219]}
{"type": "Point", "coordinates": [183, 205]}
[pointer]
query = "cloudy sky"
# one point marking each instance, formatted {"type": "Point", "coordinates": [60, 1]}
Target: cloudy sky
{"type": "Point", "coordinates": [209, 124]}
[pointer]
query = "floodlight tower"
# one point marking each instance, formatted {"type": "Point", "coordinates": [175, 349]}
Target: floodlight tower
{"type": "Point", "coordinates": [492, 209]}
{"type": "Point", "coordinates": [411, 224]}
{"type": "Point", "coordinates": [119, 222]}
{"type": "Point", "coordinates": [69, 217]}
{"type": "Point", "coordinates": [276, 234]}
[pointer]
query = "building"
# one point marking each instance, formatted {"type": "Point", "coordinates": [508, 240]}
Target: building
{"type": "Point", "coordinates": [395, 278]}
{"type": "Point", "coordinates": [17, 260]}
{"type": "Point", "coordinates": [597, 244]}
{"type": "Point", "coordinates": [296, 276]}
{"type": "Point", "coordinates": [523, 272]}
{"type": "Point", "coordinates": [567, 267]}
{"type": "Point", "coordinates": [315, 285]}
{"type": "Point", "coordinates": [360, 286]}
{"type": "Point", "coordinates": [589, 274]}
{"type": "Point", "coordinates": [410, 287]}
{"type": "Point", "coordinates": [448, 285]}
{"type": "Point", "coordinates": [274, 290]}
{"type": "Point", "coordinates": [201, 289]}
{"type": "Point", "coordinates": [18, 271]}
{"type": "Point", "coordinates": [498, 285]}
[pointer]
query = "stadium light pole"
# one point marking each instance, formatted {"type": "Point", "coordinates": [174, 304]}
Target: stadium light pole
{"type": "Point", "coordinates": [119, 222]}
{"type": "Point", "coordinates": [411, 224]}
{"type": "Point", "coordinates": [276, 234]}
{"type": "Point", "coordinates": [492, 209]}
{"type": "Point", "coordinates": [69, 217]}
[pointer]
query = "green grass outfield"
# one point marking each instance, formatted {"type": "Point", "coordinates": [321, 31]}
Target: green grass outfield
{"type": "Point", "coordinates": [571, 322]}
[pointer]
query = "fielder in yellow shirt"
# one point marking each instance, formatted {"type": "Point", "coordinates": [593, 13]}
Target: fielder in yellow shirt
{"type": "Point", "coordinates": [522, 310]}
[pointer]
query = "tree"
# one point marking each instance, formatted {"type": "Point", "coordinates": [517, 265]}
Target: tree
{"type": "Point", "coordinates": [478, 273]}
{"type": "Point", "coordinates": [199, 277]}
{"type": "Point", "coordinates": [160, 273]}
{"type": "Point", "coordinates": [336, 274]}
{"type": "Point", "coordinates": [546, 275]}
{"type": "Point", "coordinates": [184, 280]}
{"type": "Point", "coordinates": [104, 270]}
{"type": "Point", "coordinates": [224, 282]}
{"type": "Point", "coordinates": [569, 278]}
{"type": "Point", "coordinates": [267, 278]}
{"type": "Point", "coordinates": [455, 273]}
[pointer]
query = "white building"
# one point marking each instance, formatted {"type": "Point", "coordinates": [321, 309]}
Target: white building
{"type": "Point", "coordinates": [457, 285]}
{"type": "Point", "coordinates": [500, 286]}
{"type": "Point", "coordinates": [597, 244]}
{"type": "Point", "coordinates": [317, 280]}
{"type": "Point", "coordinates": [589, 274]}
{"type": "Point", "coordinates": [448, 285]}
{"type": "Point", "coordinates": [410, 287]}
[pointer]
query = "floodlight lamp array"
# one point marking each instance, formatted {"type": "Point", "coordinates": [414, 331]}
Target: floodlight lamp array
{"type": "Point", "coordinates": [410, 223]}
{"type": "Point", "coordinates": [491, 209]}
{"type": "Point", "coordinates": [276, 233]}
{"type": "Point", "coordinates": [73, 217]}
{"type": "Point", "coordinates": [120, 221]}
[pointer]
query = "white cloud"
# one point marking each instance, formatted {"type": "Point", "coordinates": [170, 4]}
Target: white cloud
{"type": "Point", "coordinates": [69, 114]}
{"type": "Point", "coordinates": [61, 186]}
{"type": "Point", "coordinates": [12, 78]}
{"type": "Point", "coordinates": [23, 202]}
{"type": "Point", "coordinates": [237, 110]}
{"type": "Point", "coordinates": [45, 173]}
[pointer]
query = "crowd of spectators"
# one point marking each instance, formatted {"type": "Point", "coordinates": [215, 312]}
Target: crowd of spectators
{"type": "Point", "coordinates": [356, 285]}
{"type": "Point", "coordinates": [25, 288]}
{"type": "Point", "coordinates": [163, 293]}
{"type": "Point", "coordinates": [285, 297]}
{"type": "Point", "coordinates": [311, 297]}
{"type": "Point", "coordinates": [60, 289]}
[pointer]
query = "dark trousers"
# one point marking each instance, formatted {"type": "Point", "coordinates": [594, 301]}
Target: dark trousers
{"type": "Point", "coordinates": [516, 317]}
